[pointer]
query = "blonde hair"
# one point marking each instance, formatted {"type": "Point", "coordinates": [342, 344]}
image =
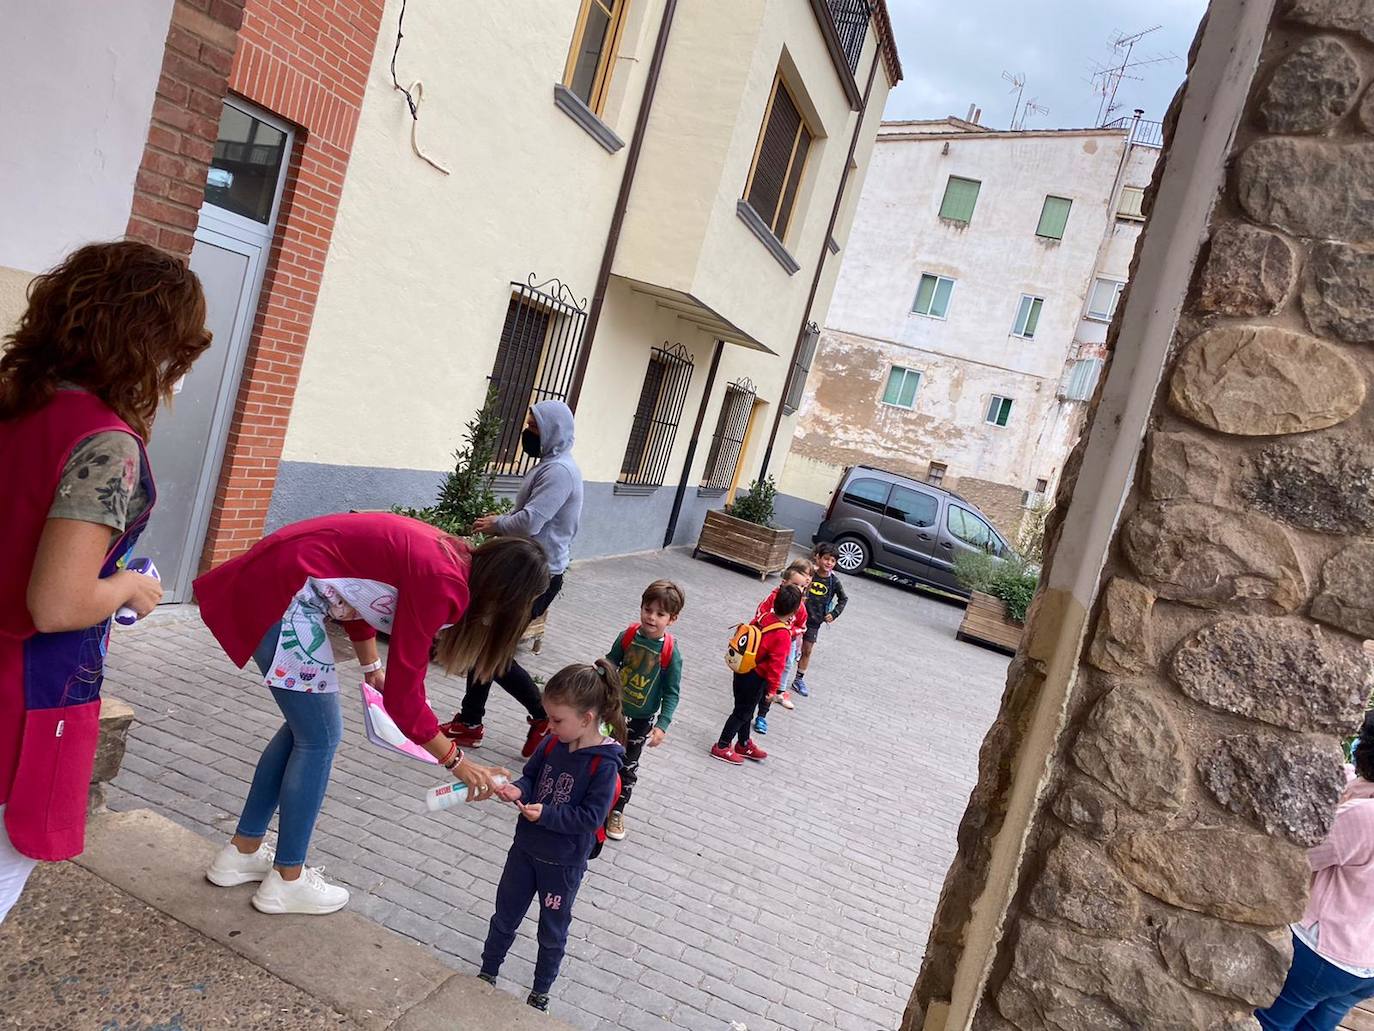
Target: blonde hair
{"type": "Point", "coordinates": [505, 577]}
{"type": "Point", "coordinates": [801, 566]}
{"type": "Point", "coordinates": [594, 689]}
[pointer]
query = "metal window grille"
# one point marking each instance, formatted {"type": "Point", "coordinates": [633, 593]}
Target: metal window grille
{"type": "Point", "coordinates": [657, 414]}
{"type": "Point", "coordinates": [535, 359]}
{"type": "Point", "coordinates": [801, 368]}
{"type": "Point", "coordinates": [851, 25]}
{"type": "Point", "coordinates": [728, 441]}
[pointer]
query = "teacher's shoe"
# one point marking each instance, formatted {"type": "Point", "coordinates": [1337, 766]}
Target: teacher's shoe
{"type": "Point", "coordinates": [233, 867]}
{"type": "Point", "coordinates": [308, 893]}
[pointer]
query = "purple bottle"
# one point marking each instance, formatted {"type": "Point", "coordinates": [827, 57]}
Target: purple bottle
{"type": "Point", "coordinates": [126, 616]}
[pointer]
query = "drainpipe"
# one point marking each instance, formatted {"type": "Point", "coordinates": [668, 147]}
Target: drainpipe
{"type": "Point", "coordinates": [692, 446]}
{"type": "Point", "coordinates": [622, 202]}
{"type": "Point", "coordinates": [825, 245]}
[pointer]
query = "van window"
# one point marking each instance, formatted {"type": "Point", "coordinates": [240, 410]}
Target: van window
{"type": "Point", "coordinates": [913, 507]}
{"type": "Point", "coordinates": [971, 530]}
{"type": "Point", "coordinates": [867, 493]}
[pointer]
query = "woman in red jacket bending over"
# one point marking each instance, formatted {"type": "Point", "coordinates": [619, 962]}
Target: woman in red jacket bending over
{"type": "Point", "coordinates": [106, 338]}
{"type": "Point", "coordinates": [371, 572]}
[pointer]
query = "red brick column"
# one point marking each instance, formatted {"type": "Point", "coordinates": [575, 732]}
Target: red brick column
{"type": "Point", "coordinates": [308, 63]}
{"type": "Point", "coordinates": [198, 55]}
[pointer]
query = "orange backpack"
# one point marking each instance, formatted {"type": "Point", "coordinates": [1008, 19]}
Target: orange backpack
{"type": "Point", "coordinates": [742, 654]}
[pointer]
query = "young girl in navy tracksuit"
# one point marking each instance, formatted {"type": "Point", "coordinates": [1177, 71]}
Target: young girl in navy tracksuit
{"type": "Point", "coordinates": [564, 795]}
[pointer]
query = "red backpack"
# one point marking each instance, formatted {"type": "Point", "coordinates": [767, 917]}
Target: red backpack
{"type": "Point", "coordinates": [552, 740]}
{"type": "Point", "coordinates": [665, 655]}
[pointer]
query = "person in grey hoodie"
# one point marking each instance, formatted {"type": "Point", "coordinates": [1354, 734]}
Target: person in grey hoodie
{"type": "Point", "coordinates": [547, 509]}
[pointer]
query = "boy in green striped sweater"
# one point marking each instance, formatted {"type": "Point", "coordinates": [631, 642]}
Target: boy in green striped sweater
{"type": "Point", "coordinates": [651, 677]}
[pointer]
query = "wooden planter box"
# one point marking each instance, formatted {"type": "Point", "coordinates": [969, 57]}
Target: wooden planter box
{"type": "Point", "coordinates": [986, 622]}
{"type": "Point", "coordinates": [760, 548]}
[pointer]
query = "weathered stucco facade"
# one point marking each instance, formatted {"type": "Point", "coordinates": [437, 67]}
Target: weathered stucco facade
{"type": "Point", "coordinates": [981, 339]}
{"type": "Point", "coordinates": [1168, 742]}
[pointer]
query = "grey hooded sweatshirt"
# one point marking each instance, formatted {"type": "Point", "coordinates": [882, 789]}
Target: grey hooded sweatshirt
{"type": "Point", "coordinates": [548, 506]}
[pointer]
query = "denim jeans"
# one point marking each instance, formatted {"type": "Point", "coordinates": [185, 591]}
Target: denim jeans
{"type": "Point", "coordinates": [293, 770]}
{"type": "Point", "coordinates": [1315, 996]}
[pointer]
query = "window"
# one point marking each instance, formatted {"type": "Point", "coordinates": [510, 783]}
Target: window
{"type": "Point", "coordinates": [1054, 216]}
{"type": "Point", "coordinates": [535, 357]}
{"type": "Point", "coordinates": [595, 41]}
{"type": "Point", "coordinates": [961, 195]}
{"type": "Point", "coordinates": [867, 493]}
{"type": "Point", "coordinates": [1082, 379]}
{"type": "Point", "coordinates": [246, 165]}
{"type": "Point", "coordinates": [968, 528]}
{"type": "Point", "coordinates": [778, 161]}
{"type": "Point", "coordinates": [801, 369]}
{"type": "Point", "coordinates": [657, 414]}
{"type": "Point", "coordinates": [999, 411]}
{"type": "Point", "coordinates": [1132, 204]}
{"type": "Point", "coordinates": [728, 441]}
{"type": "Point", "coordinates": [935, 473]}
{"type": "Point", "coordinates": [1027, 316]}
{"type": "Point", "coordinates": [912, 507]}
{"type": "Point", "coordinates": [1102, 300]}
{"type": "Point", "coordinates": [901, 387]}
{"type": "Point", "coordinates": [1036, 498]}
{"type": "Point", "coordinates": [932, 296]}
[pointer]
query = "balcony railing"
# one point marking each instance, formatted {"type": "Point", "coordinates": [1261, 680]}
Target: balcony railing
{"type": "Point", "coordinates": [851, 19]}
{"type": "Point", "coordinates": [1144, 133]}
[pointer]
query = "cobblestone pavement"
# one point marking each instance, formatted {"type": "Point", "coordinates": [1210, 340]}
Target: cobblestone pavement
{"type": "Point", "coordinates": [795, 894]}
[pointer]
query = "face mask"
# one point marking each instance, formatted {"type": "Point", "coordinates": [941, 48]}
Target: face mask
{"type": "Point", "coordinates": [532, 445]}
{"type": "Point", "coordinates": [178, 384]}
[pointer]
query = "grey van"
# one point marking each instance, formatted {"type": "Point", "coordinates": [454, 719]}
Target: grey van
{"type": "Point", "coordinates": [886, 521]}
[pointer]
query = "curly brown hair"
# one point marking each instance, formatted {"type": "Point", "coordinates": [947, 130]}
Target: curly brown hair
{"type": "Point", "coordinates": [123, 320]}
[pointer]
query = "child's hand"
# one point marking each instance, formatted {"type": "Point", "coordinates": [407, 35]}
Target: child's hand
{"type": "Point", "coordinates": [531, 812]}
{"type": "Point", "coordinates": [830, 617]}
{"type": "Point", "coordinates": [656, 737]}
{"type": "Point", "coordinates": [508, 793]}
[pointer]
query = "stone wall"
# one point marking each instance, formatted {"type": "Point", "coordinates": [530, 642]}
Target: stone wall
{"type": "Point", "coordinates": [1200, 756]}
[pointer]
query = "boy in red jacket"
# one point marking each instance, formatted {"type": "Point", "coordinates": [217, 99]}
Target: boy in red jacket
{"type": "Point", "coordinates": [763, 679]}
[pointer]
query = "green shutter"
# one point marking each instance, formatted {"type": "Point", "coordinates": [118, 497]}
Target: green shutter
{"type": "Point", "coordinates": [940, 307]}
{"type": "Point", "coordinates": [960, 197]}
{"type": "Point", "coordinates": [1054, 216]}
{"type": "Point", "coordinates": [1004, 412]}
{"type": "Point", "coordinates": [908, 395]}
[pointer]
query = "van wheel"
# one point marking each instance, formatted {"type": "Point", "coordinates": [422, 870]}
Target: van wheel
{"type": "Point", "coordinates": [853, 555]}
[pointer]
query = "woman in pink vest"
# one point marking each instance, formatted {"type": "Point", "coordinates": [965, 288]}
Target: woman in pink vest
{"type": "Point", "coordinates": [371, 572]}
{"type": "Point", "coordinates": [106, 338]}
{"type": "Point", "coordinates": [1333, 943]}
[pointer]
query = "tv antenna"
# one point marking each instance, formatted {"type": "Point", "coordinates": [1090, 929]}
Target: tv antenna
{"type": "Point", "coordinates": [1107, 78]}
{"type": "Point", "coordinates": [1031, 107]}
{"type": "Point", "coordinates": [1018, 86]}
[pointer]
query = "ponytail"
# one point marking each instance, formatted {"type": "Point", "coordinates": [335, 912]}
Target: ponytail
{"type": "Point", "coordinates": [594, 689]}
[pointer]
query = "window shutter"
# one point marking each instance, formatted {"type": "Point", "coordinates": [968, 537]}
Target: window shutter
{"type": "Point", "coordinates": [644, 414]}
{"type": "Point", "coordinates": [789, 197]}
{"type": "Point", "coordinates": [775, 157]}
{"type": "Point", "coordinates": [801, 368]}
{"type": "Point", "coordinates": [1054, 216]}
{"type": "Point", "coordinates": [1132, 203]}
{"type": "Point", "coordinates": [961, 195]}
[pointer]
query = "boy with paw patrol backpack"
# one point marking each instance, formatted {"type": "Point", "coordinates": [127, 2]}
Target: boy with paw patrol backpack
{"type": "Point", "coordinates": [650, 670]}
{"type": "Point", "coordinates": [757, 655]}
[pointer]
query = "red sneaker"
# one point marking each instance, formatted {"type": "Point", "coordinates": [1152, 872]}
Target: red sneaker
{"type": "Point", "coordinates": [538, 730]}
{"type": "Point", "coordinates": [726, 754]}
{"type": "Point", "coordinates": [461, 734]}
{"type": "Point", "coordinates": [751, 751]}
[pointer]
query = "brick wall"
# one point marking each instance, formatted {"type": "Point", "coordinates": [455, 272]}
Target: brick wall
{"type": "Point", "coordinates": [306, 63]}
{"type": "Point", "coordinates": [199, 53]}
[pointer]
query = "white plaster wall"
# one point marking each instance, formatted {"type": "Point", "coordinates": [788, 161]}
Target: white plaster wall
{"type": "Point", "coordinates": [79, 80]}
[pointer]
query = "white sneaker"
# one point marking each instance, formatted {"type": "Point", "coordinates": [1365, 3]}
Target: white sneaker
{"type": "Point", "coordinates": [233, 867]}
{"type": "Point", "coordinates": [309, 893]}
{"type": "Point", "coordinates": [786, 702]}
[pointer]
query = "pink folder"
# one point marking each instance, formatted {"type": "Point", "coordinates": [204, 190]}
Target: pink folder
{"type": "Point", "coordinates": [383, 732]}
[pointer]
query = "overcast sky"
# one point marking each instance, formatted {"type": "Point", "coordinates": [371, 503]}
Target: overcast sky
{"type": "Point", "coordinates": [954, 54]}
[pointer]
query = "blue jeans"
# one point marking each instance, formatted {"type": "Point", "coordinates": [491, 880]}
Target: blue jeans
{"type": "Point", "coordinates": [1315, 996]}
{"type": "Point", "coordinates": [293, 770]}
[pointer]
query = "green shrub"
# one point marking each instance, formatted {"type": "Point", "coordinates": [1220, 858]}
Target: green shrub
{"type": "Point", "coordinates": [1009, 579]}
{"type": "Point", "coordinates": [466, 493]}
{"type": "Point", "coordinates": [757, 505]}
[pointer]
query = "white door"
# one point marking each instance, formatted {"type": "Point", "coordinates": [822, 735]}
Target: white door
{"type": "Point", "coordinates": [233, 239]}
